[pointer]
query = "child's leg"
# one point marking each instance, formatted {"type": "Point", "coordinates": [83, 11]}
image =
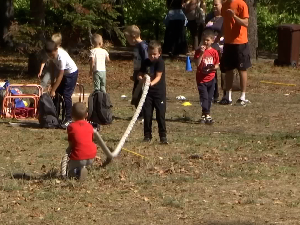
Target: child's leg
{"type": "Point", "coordinates": [78, 165]}
{"type": "Point", "coordinates": [96, 80]}
{"type": "Point", "coordinates": [68, 89]}
{"type": "Point", "coordinates": [148, 115]}
{"type": "Point", "coordinates": [102, 81]}
{"type": "Point", "coordinates": [160, 107]}
{"type": "Point", "coordinates": [202, 88]}
{"type": "Point", "coordinates": [210, 91]}
{"type": "Point", "coordinates": [45, 80]}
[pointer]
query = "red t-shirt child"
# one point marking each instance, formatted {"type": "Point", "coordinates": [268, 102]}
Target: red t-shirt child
{"type": "Point", "coordinates": [80, 137]}
{"type": "Point", "coordinates": [210, 57]}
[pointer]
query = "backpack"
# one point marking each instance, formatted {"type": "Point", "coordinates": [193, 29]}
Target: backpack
{"type": "Point", "coordinates": [99, 108]}
{"type": "Point", "coordinates": [49, 111]}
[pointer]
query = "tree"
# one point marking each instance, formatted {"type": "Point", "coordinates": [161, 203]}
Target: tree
{"type": "Point", "coordinates": [6, 16]}
{"type": "Point", "coordinates": [252, 28]}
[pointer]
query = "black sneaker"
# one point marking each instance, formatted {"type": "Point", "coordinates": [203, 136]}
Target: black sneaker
{"type": "Point", "coordinates": [147, 139]}
{"type": "Point", "coordinates": [164, 141]}
{"type": "Point", "coordinates": [225, 101]}
{"type": "Point", "coordinates": [215, 100]}
{"type": "Point", "coordinates": [203, 119]}
{"type": "Point", "coordinates": [209, 120]}
{"type": "Point", "coordinates": [65, 123]}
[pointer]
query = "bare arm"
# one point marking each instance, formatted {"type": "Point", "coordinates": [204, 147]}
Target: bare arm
{"type": "Point", "coordinates": [240, 21]}
{"type": "Point", "coordinates": [41, 69]}
{"type": "Point", "coordinates": [157, 78]}
{"type": "Point", "coordinates": [92, 61]}
{"type": "Point", "coordinates": [57, 82]}
{"type": "Point", "coordinates": [107, 58]}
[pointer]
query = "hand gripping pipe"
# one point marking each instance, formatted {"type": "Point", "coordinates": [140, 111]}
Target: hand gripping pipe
{"type": "Point", "coordinates": [100, 141]}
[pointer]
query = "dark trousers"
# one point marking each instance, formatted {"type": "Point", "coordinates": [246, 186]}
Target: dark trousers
{"type": "Point", "coordinates": [206, 91]}
{"type": "Point", "coordinates": [66, 89]}
{"type": "Point", "coordinates": [159, 104]}
{"type": "Point", "coordinates": [136, 101]}
{"type": "Point", "coordinates": [195, 32]}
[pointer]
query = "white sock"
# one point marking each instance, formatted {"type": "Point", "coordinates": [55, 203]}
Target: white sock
{"type": "Point", "coordinates": [228, 95]}
{"type": "Point", "coordinates": [243, 96]}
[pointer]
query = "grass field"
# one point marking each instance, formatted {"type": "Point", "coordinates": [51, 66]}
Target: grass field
{"type": "Point", "coordinates": [243, 170]}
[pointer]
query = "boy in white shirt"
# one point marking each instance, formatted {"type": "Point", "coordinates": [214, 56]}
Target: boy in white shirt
{"type": "Point", "coordinates": [47, 69]}
{"type": "Point", "coordinates": [98, 57]}
{"type": "Point", "coordinates": [66, 79]}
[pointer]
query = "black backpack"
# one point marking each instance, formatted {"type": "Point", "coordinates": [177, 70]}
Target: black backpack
{"type": "Point", "coordinates": [49, 110]}
{"type": "Point", "coordinates": [99, 106]}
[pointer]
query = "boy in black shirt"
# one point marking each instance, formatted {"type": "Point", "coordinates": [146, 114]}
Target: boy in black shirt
{"type": "Point", "coordinates": [133, 36]}
{"type": "Point", "coordinates": [156, 97]}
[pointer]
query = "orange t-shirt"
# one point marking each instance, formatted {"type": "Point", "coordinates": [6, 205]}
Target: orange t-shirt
{"type": "Point", "coordinates": [233, 32]}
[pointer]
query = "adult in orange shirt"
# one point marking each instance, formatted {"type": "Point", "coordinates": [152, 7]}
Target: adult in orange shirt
{"type": "Point", "coordinates": [236, 54]}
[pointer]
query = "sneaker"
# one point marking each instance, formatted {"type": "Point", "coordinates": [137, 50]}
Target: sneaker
{"type": "Point", "coordinates": [203, 119]}
{"type": "Point", "coordinates": [209, 120]}
{"type": "Point", "coordinates": [147, 139]}
{"type": "Point", "coordinates": [65, 123]}
{"type": "Point", "coordinates": [215, 100]}
{"type": "Point", "coordinates": [241, 102]}
{"type": "Point", "coordinates": [83, 174]}
{"type": "Point", "coordinates": [225, 101]}
{"type": "Point", "coordinates": [164, 141]}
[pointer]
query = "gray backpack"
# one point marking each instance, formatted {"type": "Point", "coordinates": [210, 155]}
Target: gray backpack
{"type": "Point", "coordinates": [49, 112]}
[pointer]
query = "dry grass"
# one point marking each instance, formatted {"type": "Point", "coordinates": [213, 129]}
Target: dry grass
{"type": "Point", "coordinates": [244, 169]}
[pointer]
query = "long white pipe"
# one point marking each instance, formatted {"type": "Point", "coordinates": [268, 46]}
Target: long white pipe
{"type": "Point", "coordinates": [99, 139]}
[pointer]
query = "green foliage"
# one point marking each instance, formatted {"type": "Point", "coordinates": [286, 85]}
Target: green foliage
{"type": "Point", "coordinates": [272, 13]}
{"type": "Point", "coordinates": [148, 15]}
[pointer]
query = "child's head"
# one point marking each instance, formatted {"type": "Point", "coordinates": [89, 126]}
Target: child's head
{"type": "Point", "coordinates": [79, 111]}
{"type": "Point", "coordinates": [208, 37]}
{"type": "Point", "coordinates": [154, 50]}
{"type": "Point", "coordinates": [57, 38]}
{"type": "Point", "coordinates": [132, 34]}
{"type": "Point", "coordinates": [97, 40]}
{"type": "Point", "coordinates": [51, 49]}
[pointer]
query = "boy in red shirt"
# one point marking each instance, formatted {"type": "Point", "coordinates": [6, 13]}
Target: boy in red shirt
{"type": "Point", "coordinates": [207, 62]}
{"type": "Point", "coordinates": [82, 150]}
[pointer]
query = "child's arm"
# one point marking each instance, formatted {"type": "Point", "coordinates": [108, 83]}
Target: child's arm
{"type": "Point", "coordinates": [156, 79]}
{"type": "Point", "coordinates": [57, 83]}
{"type": "Point", "coordinates": [41, 69]}
{"type": "Point", "coordinates": [92, 63]}
{"type": "Point", "coordinates": [107, 58]}
{"type": "Point", "coordinates": [199, 55]}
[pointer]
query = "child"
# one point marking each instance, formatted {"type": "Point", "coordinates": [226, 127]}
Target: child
{"type": "Point", "coordinates": [133, 36]}
{"type": "Point", "coordinates": [49, 70]}
{"type": "Point", "coordinates": [66, 79]}
{"type": "Point", "coordinates": [156, 97]}
{"type": "Point", "coordinates": [97, 64]}
{"type": "Point", "coordinates": [207, 62]}
{"type": "Point", "coordinates": [82, 150]}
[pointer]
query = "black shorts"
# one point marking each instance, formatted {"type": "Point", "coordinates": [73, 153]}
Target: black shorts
{"type": "Point", "coordinates": [236, 56]}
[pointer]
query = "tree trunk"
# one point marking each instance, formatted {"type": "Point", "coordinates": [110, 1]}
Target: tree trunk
{"type": "Point", "coordinates": [252, 28]}
{"type": "Point", "coordinates": [6, 16]}
{"type": "Point", "coordinates": [37, 11]}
